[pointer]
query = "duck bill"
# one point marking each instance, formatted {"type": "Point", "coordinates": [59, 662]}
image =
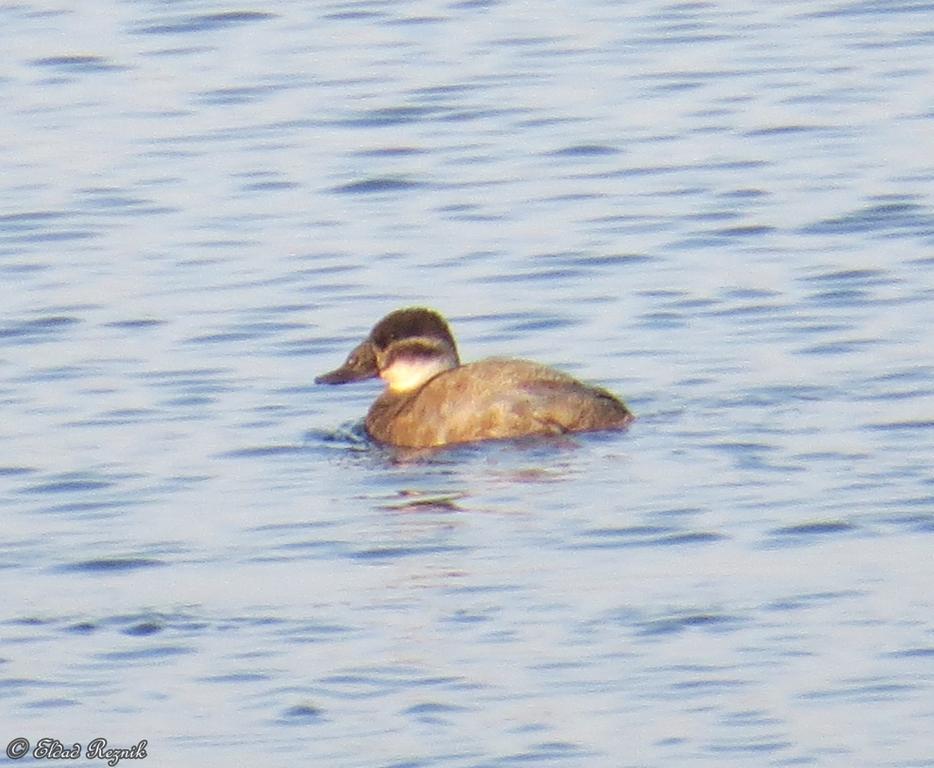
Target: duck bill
{"type": "Point", "coordinates": [360, 365]}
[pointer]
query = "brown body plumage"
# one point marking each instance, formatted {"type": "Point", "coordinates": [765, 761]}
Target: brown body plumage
{"type": "Point", "coordinates": [432, 400]}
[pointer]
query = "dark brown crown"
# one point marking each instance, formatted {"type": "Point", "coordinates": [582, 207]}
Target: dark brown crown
{"type": "Point", "coordinates": [414, 322]}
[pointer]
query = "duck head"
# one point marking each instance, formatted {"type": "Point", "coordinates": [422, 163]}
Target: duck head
{"type": "Point", "coordinates": [405, 349]}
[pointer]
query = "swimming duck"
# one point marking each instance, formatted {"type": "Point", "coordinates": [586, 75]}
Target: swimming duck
{"type": "Point", "coordinates": [431, 399]}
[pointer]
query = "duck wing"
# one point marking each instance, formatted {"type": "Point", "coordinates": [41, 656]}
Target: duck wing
{"type": "Point", "coordinates": [497, 399]}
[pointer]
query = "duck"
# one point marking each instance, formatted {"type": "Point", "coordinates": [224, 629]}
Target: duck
{"type": "Point", "coordinates": [431, 399]}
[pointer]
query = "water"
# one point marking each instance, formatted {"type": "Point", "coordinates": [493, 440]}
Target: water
{"type": "Point", "coordinates": [725, 213]}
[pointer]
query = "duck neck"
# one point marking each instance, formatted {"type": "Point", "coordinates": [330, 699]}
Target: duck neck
{"type": "Point", "coordinates": [409, 370]}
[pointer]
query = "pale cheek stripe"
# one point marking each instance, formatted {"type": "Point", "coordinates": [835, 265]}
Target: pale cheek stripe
{"type": "Point", "coordinates": [401, 377]}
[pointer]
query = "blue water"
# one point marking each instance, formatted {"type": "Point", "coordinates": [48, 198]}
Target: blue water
{"type": "Point", "coordinates": [724, 213]}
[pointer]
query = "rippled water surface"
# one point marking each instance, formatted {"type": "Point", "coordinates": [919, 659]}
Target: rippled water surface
{"type": "Point", "coordinates": [723, 212]}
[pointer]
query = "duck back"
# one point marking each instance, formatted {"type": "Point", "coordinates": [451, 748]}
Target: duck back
{"type": "Point", "coordinates": [493, 399]}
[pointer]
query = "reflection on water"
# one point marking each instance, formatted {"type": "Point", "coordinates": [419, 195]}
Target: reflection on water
{"type": "Point", "coordinates": [726, 217]}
